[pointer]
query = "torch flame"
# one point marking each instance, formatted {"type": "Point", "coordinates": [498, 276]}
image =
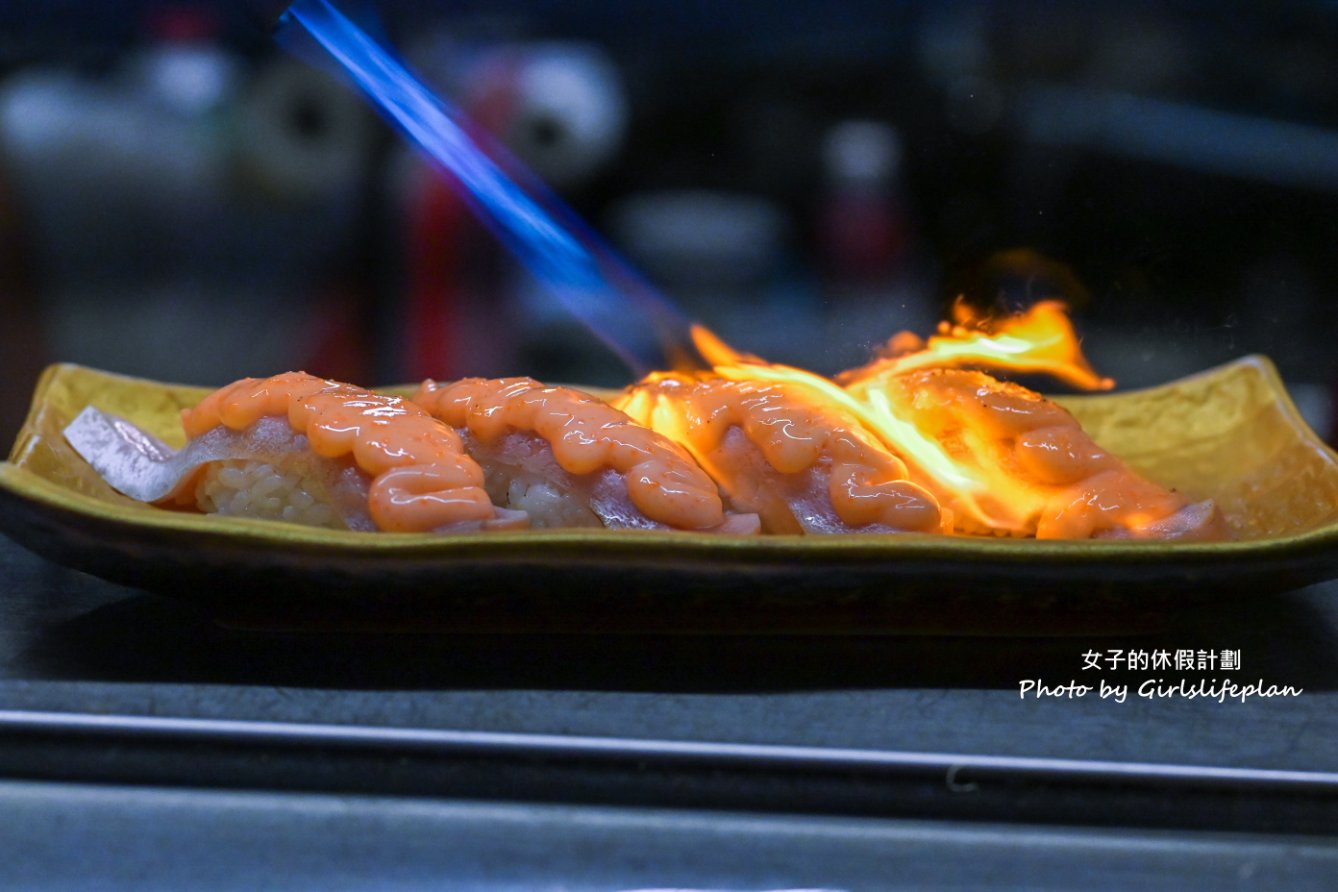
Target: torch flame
{"type": "Point", "coordinates": [955, 458]}
{"type": "Point", "coordinates": [1040, 340]}
{"type": "Point", "coordinates": [717, 352]}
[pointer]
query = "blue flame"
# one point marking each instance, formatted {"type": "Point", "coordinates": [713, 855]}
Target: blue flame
{"type": "Point", "coordinates": [642, 327]}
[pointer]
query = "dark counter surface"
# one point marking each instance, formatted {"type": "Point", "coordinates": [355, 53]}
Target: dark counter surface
{"type": "Point", "coordinates": [200, 840]}
{"type": "Point", "coordinates": [134, 728]}
{"type": "Point", "coordinates": [70, 642]}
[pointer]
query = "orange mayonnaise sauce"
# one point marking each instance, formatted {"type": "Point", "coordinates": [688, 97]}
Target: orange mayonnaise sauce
{"type": "Point", "coordinates": [866, 483]}
{"type": "Point", "coordinates": [586, 435]}
{"type": "Point", "coordinates": [421, 477]}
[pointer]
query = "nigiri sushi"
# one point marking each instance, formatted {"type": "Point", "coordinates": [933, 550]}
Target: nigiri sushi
{"type": "Point", "coordinates": [303, 449]}
{"type": "Point", "coordinates": [800, 463]}
{"type": "Point", "coordinates": [567, 459]}
{"type": "Point", "coordinates": [1041, 475]}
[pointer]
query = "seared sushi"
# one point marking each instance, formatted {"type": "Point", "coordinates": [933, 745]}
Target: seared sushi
{"type": "Point", "coordinates": [777, 449]}
{"type": "Point", "coordinates": [568, 459]}
{"type": "Point", "coordinates": [1036, 472]}
{"type": "Point", "coordinates": [303, 449]}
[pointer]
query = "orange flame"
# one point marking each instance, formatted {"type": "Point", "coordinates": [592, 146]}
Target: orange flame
{"type": "Point", "coordinates": [945, 450]}
{"type": "Point", "coordinates": [1040, 340]}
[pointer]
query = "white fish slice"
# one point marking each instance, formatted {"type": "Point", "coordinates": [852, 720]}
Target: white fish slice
{"type": "Point", "coordinates": [139, 465]}
{"type": "Point", "coordinates": [132, 461]}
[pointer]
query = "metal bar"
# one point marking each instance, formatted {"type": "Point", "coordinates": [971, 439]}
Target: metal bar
{"type": "Point", "coordinates": [159, 751]}
{"type": "Point", "coordinates": [447, 742]}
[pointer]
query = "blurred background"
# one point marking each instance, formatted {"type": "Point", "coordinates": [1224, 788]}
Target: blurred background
{"type": "Point", "coordinates": [182, 199]}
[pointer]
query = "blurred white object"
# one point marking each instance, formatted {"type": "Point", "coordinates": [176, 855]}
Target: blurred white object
{"type": "Point", "coordinates": [140, 235]}
{"type": "Point", "coordinates": [862, 153]}
{"type": "Point", "coordinates": [571, 114]}
{"type": "Point", "coordinates": [302, 133]}
{"type": "Point", "coordinates": [560, 107]}
{"type": "Point", "coordinates": [699, 237]}
{"type": "Point", "coordinates": [78, 148]}
{"type": "Point", "coordinates": [189, 77]}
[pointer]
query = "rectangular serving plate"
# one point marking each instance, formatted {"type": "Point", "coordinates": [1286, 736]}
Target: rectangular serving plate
{"type": "Point", "coordinates": [1230, 434]}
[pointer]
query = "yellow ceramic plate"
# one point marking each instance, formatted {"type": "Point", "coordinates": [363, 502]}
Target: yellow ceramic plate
{"type": "Point", "coordinates": [1230, 434]}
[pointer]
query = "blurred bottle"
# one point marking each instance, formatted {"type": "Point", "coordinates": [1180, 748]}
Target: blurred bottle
{"type": "Point", "coordinates": [865, 240]}
{"type": "Point", "coordinates": [863, 227]}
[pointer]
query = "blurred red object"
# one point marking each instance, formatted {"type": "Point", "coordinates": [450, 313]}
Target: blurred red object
{"type": "Point", "coordinates": [432, 320]}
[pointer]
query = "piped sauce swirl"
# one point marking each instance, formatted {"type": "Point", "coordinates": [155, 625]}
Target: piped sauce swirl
{"type": "Point", "coordinates": [867, 484]}
{"type": "Point", "coordinates": [422, 479]}
{"type": "Point", "coordinates": [586, 435]}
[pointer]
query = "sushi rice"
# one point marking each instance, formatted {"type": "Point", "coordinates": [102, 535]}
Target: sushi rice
{"type": "Point", "coordinates": [247, 488]}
